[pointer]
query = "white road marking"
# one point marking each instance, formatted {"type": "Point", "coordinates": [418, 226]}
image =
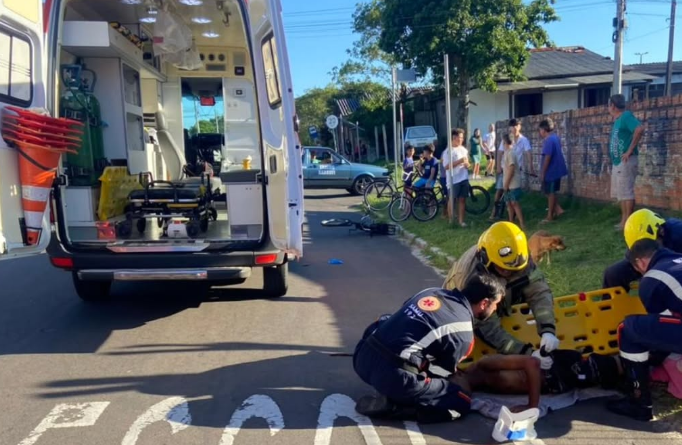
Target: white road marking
{"type": "Point", "coordinates": [173, 410]}
{"type": "Point", "coordinates": [414, 433]}
{"type": "Point", "coordinates": [255, 406]}
{"type": "Point", "coordinates": [339, 405]}
{"type": "Point", "coordinates": [67, 415]}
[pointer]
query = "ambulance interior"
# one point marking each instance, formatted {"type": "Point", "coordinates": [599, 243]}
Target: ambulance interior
{"type": "Point", "coordinates": [171, 149]}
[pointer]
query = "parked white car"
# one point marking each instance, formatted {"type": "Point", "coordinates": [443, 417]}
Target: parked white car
{"type": "Point", "coordinates": [421, 136]}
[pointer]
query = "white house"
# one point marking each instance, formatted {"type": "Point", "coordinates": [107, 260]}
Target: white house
{"type": "Point", "coordinates": [557, 79]}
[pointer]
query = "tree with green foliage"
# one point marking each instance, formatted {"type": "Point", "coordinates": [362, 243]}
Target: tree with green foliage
{"type": "Point", "coordinates": [216, 125]}
{"type": "Point", "coordinates": [316, 104]}
{"type": "Point", "coordinates": [486, 40]}
{"type": "Point", "coordinates": [312, 109]}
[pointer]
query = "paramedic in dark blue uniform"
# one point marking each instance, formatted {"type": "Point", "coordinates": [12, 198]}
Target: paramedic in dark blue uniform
{"type": "Point", "coordinates": [434, 326]}
{"type": "Point", "coordinates": [659, 331]}
{"type": "Point", "coordinates": [643, 224]}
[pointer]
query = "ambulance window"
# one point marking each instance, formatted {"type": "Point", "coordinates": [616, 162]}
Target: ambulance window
{"type": "Point", "coordinates": [15, 69]}
{"type": "Point", "coordinates": [271, 72]}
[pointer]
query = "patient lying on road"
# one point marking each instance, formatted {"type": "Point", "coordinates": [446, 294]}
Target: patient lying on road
{"type": "Point", "coordinates": [521, 374]}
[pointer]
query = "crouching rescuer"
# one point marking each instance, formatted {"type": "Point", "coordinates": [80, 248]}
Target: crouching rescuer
{"type": "Point", "coordinates": [434, 326]}
{"type": "Point", "coordinates": [660, 331]}
{"type": "Point", "coordinates": [502, 251]}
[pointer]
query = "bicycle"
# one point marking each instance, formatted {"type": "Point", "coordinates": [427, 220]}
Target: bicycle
{"type": "Point", "coordinates": [379, 194]}
{"type": "Point", "coordinates": [366, 225]}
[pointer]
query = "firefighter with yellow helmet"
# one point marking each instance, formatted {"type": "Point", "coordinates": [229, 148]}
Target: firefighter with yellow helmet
{"type": "Point", "coordinates": [503, 251]}
{"type": "Point", "coordinates": [643, 224]}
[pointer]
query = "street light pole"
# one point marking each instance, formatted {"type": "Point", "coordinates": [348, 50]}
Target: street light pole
{"type": "Point", "coordinates": [641, 55]}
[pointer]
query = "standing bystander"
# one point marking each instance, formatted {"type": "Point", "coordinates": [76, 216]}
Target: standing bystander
{"type": "Point", "coordinates": [456, 164]}
{"type": "Point", "coordinates": [553, 168]}
{"type": "Point", "coordinates": [626, 133]}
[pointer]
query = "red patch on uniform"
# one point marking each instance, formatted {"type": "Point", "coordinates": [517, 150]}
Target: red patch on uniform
{"type": "Point", "coordinates": [429, 304]}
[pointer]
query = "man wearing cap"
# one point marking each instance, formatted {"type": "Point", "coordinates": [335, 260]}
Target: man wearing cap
{"type": "Point", "coordinates": [502, 251]}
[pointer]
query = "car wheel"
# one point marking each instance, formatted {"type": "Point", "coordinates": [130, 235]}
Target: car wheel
{"type": "Point", "coordinates": [93, 291]}
{"type": "Point", "coordinates": [360, 184]}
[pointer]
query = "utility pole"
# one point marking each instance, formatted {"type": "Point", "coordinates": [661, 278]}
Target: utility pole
{"type": "Point", "coordinates": [448, 144]}
{"type": "Point", "coordinates": [394, 74]}
{"type": "Point", "coordinates": [619, 24]}
{"type": "Point", "coordinates": [641, 55]}
{"type": "Point", "coordinates": [669, 74]}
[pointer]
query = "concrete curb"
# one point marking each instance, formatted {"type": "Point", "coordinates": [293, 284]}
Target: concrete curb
{"type": "Point", "coordinates": [421, 249]}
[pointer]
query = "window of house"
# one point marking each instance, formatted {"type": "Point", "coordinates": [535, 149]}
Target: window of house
{"type": "Point", "coordinates": [16, 74]}
{"type": "Point", "coordinates": [594, 97]}
{"type": "Point", "coordinates": [527, 104]}
{"type": "Point", "coordinates": [272, 79]}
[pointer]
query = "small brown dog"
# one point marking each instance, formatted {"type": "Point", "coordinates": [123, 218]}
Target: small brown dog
{"type": "Point", "coordinates": [542, 243]}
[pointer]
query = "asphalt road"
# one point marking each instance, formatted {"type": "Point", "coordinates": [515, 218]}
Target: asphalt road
{"type": "Point", "coordinates": [156, 366]}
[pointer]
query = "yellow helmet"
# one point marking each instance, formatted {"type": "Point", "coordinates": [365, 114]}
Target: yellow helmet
{"type": "Point", "coordinates": [642, 224]}
{"type": "Point", "coordinates": [504, 245]}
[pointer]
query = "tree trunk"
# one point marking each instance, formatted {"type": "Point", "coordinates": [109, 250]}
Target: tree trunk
{"type": "Point", "coordinates": [463, 99]}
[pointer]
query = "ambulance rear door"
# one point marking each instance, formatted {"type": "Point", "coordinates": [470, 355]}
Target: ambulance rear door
{"type": "Point", "coordinates": [282, 157]}
{"type": "Point", "coordinates": [22, 84]}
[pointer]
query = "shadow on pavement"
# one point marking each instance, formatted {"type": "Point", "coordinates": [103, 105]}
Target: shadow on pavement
{"type": "Point", "coordinates": [376, 276]}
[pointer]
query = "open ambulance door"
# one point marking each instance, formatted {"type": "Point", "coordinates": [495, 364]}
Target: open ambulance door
{"type": "Point", "coordinates": [22, 84]}
{"type": "Point", "coordinates": [281, 152]}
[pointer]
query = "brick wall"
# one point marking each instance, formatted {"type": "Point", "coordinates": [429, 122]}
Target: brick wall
{"type": "Point", "coordinates": [585, 136]}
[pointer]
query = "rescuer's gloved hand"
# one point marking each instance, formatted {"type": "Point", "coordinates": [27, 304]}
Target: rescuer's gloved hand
{"type": "Point", "coordinates": [549, 342]}
{"type": "Point", "coordinates": [546, 361]}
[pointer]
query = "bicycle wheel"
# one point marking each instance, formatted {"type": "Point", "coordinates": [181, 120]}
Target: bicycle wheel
{"type": "Point", "coordinates": [478, 201]}
{"type": "Point", "coordinates": [378, 196]}
{"type": "Point", "coordinates": [337, 222]}
{"type": "Point", "coordinates": [400, 208]}
{"type": "Point", "coordinates": [425, 206]}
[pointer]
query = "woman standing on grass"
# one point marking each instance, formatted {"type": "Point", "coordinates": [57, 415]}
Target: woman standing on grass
{"type": "Point", "coordinates": [476, 143]}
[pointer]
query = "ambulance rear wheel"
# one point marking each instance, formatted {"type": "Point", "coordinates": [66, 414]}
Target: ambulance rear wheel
{"type": "Point", "coordinates": [92, 291]}
{"type": "Point", "coordinates": [276, 281]}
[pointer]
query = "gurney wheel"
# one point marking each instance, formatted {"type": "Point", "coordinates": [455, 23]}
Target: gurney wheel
{"type": "Point", "coordinates": [124, 229]}
{"type": "Point", "coordinates": [193, 228]}
{"type": "Point", "coordinates": [214, 214]}
{"type": "Point", "coordinates": [203, 224]}
{"type": "Point", "coordinates": [141, 225]}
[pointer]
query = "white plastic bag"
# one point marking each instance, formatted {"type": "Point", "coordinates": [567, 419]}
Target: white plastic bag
{"type": "Point", "coordinates": [171, 35]}
{"type": "Point", "coordinates": [186, 60]}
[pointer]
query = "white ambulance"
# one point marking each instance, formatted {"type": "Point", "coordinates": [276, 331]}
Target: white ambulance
{"type": "Point", "coordinates": [193, 100]}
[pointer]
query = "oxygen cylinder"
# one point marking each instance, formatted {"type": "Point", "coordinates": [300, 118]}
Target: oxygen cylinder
{"type": "Point", "coordinates": [95, 120]}
{"type": "Point", "coordinates": [85, 167]}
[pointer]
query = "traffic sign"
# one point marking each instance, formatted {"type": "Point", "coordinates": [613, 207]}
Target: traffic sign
{"type": "Point", "coordinates": [332, 122]}
{"type": "Point", "coordinates": [313, 132]}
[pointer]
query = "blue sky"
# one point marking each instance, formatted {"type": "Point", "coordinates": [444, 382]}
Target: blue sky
{"type": "Point", "coordinates": [318, 33]}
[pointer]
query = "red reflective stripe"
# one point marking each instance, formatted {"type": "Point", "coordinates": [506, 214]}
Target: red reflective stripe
{"type": "Point", "coordinates": [47, 7]}
{"type": "Point", "coordinates": [471, 348]}
{"type": "Point", "coordinates": [670, 320]}
{"type": "Point", "coordinates": [464, 396]}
